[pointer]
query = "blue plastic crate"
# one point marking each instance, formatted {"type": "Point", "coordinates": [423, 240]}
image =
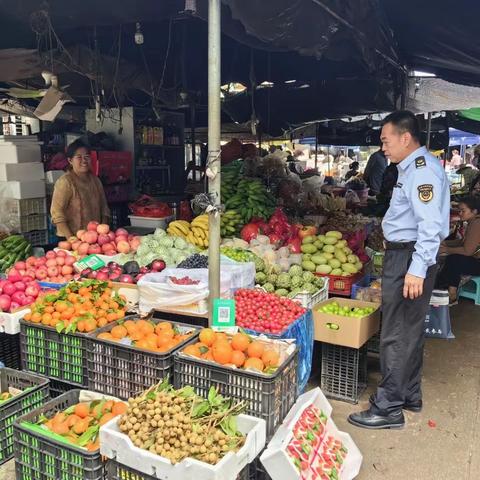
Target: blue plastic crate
{"type": "Point", "coordinates": [362, 283]}
{"type": "Point", "coordinates": [51, 286]}
{"type": "Point", "coordinates": [303, 332]}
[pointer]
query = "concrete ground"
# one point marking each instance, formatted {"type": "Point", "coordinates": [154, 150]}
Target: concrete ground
{"type": "Point", "coordinates": [450, 450]}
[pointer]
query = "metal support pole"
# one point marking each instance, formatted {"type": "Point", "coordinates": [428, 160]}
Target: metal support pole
{"type": "Point", "coordinates": [193, 139]}
{"type": "Point", "coordinates": [316, 145]}
{"type": "Point", "coordinates": [214, 164]}
{"type": "Point", "coordinates": [429, 129]}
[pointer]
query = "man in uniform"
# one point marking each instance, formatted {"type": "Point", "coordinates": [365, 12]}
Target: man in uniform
{"type": "Point", "coordinates": [414, 225]}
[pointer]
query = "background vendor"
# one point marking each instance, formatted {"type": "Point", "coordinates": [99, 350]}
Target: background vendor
{"type": "Point", "coordinates": [78, 196]}
{"type": "Point", "coordinates": [463, 255]}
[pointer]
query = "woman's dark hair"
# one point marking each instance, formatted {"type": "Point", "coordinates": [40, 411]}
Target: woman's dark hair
{"type": "Point", "coordinates": [404, 121]}
{"type": "Point", "coordinates": [474, 182]}
{"type": "Point", "coordinates": [74, 146]}
{"type": "Point", "coordinates": [473, 203]}
{"type": "Point", "coordinates": [354, 166]}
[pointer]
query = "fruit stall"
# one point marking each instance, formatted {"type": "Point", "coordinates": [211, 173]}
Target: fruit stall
{"type": "Point", "coordinates": [121, 371]}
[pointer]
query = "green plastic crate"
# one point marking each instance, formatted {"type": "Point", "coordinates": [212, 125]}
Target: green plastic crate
{"type": "Point", "coordinates": [56, 355]}
{"type": "Point", "coordinates": [35, 393]}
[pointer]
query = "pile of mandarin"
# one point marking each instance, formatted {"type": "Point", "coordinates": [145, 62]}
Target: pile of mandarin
{"type": "Point", "coordinates": [160, 337]}
{"type": "Point", "coordinates": [239, 350]}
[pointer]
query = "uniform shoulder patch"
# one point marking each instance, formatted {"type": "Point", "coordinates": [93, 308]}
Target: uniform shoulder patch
{"type": "Point", "coordinates": [420, 162]}
{"type": "Point", "coordinates": [425, 192]}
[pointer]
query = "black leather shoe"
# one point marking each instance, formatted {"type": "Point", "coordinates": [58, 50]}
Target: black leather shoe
{"type": "Point", "coordinates": [415, 407]}
{"type": "Point", "coordinates": [370, 419]}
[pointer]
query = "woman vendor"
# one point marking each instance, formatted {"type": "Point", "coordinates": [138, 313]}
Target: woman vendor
{"type": "Point", "coordinates": [463, 255]}
{"type": "Point", "coordinates": [78, 196]}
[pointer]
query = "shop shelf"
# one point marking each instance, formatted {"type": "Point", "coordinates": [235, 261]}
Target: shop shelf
{"type": "Point", "coordinates": [123, 370]}
{"type": "Point", "coordinates": [268, 396]}
{"type": "Point", "coordinates": [39, 457]}
{"type": "Point", "coordinates": [56, 355]}
{"type": "Point", "coordinates": [36, 237]}
{"type": "Point", "coordinates": [344, 372]}
{"type": "Point", "coordinates": [34, 395]}
{"type": "Point", "coordinates": [10, 350]}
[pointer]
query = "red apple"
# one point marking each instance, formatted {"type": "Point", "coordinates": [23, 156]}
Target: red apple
{"type": "Point", "coordinates": [111, 236]}
{"type": "Point", "coordinates": [121, 238]}
{"type": "Point", "coordinates": [21, 266]}
{"type": "Point", "coordinates": [41, 274]}
{"type": "Point", "coordinates": [50, 254]}
{"type": "Point", "coordinates": [307, 231]}
{"type": "Point", "coordinates": [32, 290]}
{"type": "Point", "coordinates": [103, 229]}
{"type": "Point", "coordinates": [102, 276]}
{"type": "Point", "coordinates": [121, 231]}
{"type": "Point", "coordinates": [20, 286]}
{"type": "Point", "coordinates": [91, 237]}
{"type": "Point", "coordinates": [103, 238]}
{"type": "Point", "coordinates": [92, 226]}
{"type": "Point", "coordinates": [95, 249]}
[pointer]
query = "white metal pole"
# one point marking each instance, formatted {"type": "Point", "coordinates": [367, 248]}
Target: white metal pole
{"type": "Point", "coordinates": [214, 73]}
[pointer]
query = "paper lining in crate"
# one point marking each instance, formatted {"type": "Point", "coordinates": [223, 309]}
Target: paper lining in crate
{"type": "Point", "coordinates": [309, 446]}
{"type": "Point", "coordinates": [10, 322]}
{"type": "Point", "coordinates": [116, 445]}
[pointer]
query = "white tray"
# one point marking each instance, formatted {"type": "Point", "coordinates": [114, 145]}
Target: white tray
{"type": "Point", "coordinates": [148, 222]}
{"type": "Point", "coordinates": [116, 445]}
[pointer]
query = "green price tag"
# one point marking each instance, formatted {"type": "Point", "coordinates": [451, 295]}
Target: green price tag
{"type": "Point", "coordinates": [92, 261]}
{"type": "Point", "coordinates": [223, 313]}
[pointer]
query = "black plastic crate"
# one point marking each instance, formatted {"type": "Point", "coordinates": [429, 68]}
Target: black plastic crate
{"type": "Point", "coordinates": [125, 371]}
{"type": "Point", "coordinates": [117, 471]}
{"type": "Point", "coordinates": [39, 457]}
{"type": "Point", "coordinates": [344, 372]}
{"type": "Point", "coordinates": [373, 345]}
{"type": "Point", "coordinates": [257, 471]}
{"type": "Point", "coordinates": [58, 388]}
{"type": "Point", "coordinates": [10, 350]}
{"type": "Point", "coordinates": [55, 355]}
{"type": "Point", "coordinates": [268, 396]}
{"type": "Point", "coordinates": [35, 394]}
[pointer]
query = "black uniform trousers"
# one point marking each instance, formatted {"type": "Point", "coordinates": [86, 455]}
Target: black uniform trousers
{"type": "Point", "coordinates": [402, 336]}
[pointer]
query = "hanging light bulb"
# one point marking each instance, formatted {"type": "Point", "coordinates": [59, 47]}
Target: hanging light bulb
{"type": "Point", "coordinates": [138, 34]}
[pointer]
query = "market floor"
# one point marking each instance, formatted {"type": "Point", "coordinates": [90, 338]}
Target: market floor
{"type": "Point", "coordinates": [448, 451]}
{"type": "Point", "coordinates": [450, 448]}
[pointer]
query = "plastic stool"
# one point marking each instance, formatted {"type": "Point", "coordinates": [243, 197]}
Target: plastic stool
{"type": "Point", "coordinates": [466, 290]}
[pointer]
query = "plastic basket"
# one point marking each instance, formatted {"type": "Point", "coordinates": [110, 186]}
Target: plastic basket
{"type": "Point", "coordinates": [39, 457]}
{"type": "Point", "coordinates": [339, 285]}
{"type": "Point", "coordinates": [364, 282]}
{"type": "Point", "coordinates": [55, 355]}
{"type": "Point", "coordinates": [269, 396]}
{"type": "Point", "coordinates": [124, 371]}
{"type": "Point", "coordinates": [309, 300]}
{"type": "Point", "coordinates": [26, 223]}
{"type": "Point", "coordinates": [10, 350]}
{"type": "Point", "coordinates": [302, 331]}
{"type": "Point", "coordinates": [35, 393]}
{"type": "Point", "coordinates": [58, 388]}
{"type": "Point", "coordinates": [344, 372]}
{"type": "Point", "coordinates": [117, 471]}
{"type": "Point", "coordinates": [25, 207]}
{"type": "Point", "coordinates": [36, 237]}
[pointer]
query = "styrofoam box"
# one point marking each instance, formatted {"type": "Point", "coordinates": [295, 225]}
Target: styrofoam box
{"type": "Point", "coordinates": [21, 152]}
{"type": "Point", "coordinates": [147, 222]}
{"type": "Point", "coordinates": [10, 322]}
{"type": "Point", "coordinates": [279, 464]}
{"type": "Point", "coordinates": [21, 190]}
{"type": "Point", "coordinates": [53, 175]}
{"type": "Point", "coordinates": [116, 445]}
{"type": "Point", "coordinates": [22, 172]}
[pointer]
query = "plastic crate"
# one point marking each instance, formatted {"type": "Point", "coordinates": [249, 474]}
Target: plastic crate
{"type": "Point", "coordinates": [344, 372]}
{"type": "Point", "coordinates": [39, 457]}
{"type": "Point", "coordinates": [257, 470]}
{"type": "Point", "coordinates": [35, 393]}
{"type": "Point", "coordinates": [364, 282]}
{"type": "Point", "coordinates": [24, 207]}
{"type": "Point", "coordinates": [339, 285]}
{"type": "Point", "coordinates": [58, 388]}
{"type": "Point", "coordinates": [373, 345]}
{"type": "Point", "coordinates": [269, 396]}
{"type": "Point", "coordinates": [36, 237]}
{"type": "Point", "coordinates": [26, 223]}
{"type": "Point", "coordinates": [309, 300]}
{"type": "Point", "coordinates": [10, 350]}
{"type": "Point", "coordinates": [150, 222]}
{"type": "Point", "coordinates": [117, 471]}
{"type": "Point", "coordinates": [124, 371]}
{"type": "Point", "coordinates": [55, 355]}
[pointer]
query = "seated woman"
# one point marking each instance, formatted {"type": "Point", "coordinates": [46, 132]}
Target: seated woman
{"type": "Point", "coordinates": [353, 172]}
{"type": "Point", "coordinates": [463, 255]}
{"type": "Point", "coordinates": [78, 196]}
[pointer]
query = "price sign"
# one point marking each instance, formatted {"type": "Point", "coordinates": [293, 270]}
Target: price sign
{"type": "Point", "coordinates": [223, 313]}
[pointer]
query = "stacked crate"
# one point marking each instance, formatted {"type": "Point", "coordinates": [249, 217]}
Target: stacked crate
{"type": "Point", "coordinates": [23, 206]}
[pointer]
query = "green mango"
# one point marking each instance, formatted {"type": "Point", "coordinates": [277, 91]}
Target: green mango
{"type": "Point", "coordinates": [328, 248]}
{"type": "Point", "coordinates": [308, 248]}
{"type": "Point", "coordinates": [323, 269]}
{"type": "Point", "coordinates": [335, 234]}
{"type": "Point", "coordinates": [319, 259]}
{"type": "Point", "coordinates": [330, 240]}
{"type": "Point", "coordinates": [334, 263]}
{"type": "Point", "coordinates": [308, 266]}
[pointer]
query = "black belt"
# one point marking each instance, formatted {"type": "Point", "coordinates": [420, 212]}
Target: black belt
{"type": "Point", "coordinates": [398, 245]}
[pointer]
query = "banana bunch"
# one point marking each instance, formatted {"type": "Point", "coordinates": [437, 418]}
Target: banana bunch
{"type": "Point", "coordinates": [230, 177]}
{"type": "Point", "coordinates": [196, 232]}
{"type": "Point", "coordinates": [251, 200]}
{"type": "Point", "coordinates": [231, 223]}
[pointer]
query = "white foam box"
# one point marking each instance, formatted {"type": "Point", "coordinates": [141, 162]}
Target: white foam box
{"type": "Point", "coordinates": [22, 190]}
{"type": "Point", "coordinates": [116, 445]}
{"type": "Point", "coordinates": [20, 152]}
{"type": "Point", "coordinates": [280, 465]}
{"type": "Point", "coordinates": [53, 175]}
{"type": "Point", "coordinates": [21, 172]}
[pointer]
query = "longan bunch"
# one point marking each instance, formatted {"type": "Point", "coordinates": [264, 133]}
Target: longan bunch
{"type": "Point", "coordinates": [162, 422]}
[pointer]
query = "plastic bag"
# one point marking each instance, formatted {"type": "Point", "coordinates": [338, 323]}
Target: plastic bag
{"type": "Point", "coordinates": [351, 197]}
{"type": "Point", "coordinates": [437, 323]}
{"type": "Point", "coordinates": [313, 184]}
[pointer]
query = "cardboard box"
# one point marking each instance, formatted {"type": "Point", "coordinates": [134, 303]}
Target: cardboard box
{"type": "Point", "coordinates": [21, 172]}
{"type": "Point", "coordinates": [351, 332]}
{"type": "Point", "coordinates": [22, 190]}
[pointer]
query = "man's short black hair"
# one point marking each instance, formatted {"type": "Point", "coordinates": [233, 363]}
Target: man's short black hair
{"type": "Point", "coordinates": [74, 146]}
{"type": "Point", "coordinates": [404, 121]}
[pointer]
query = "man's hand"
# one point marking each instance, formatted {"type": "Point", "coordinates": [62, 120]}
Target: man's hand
{"type": "Point", "coordinates": [413, 286]}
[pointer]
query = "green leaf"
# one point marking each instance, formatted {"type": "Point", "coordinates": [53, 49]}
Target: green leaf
{"type": "Point", "coordinates": [59, 327]}
{"type": "Point", "coordinates": [186, 392]}
{"type": "Point", "coordinates": [69, 410]}
{"type": "Point", "coordinates": [42, 419]}
{"type": "Point", "coordinates": [86, 437]}
{"type": "Point", "coordinates": [212, 394]}
{"type": "Point", "coordinates": [151, 395]}
{"type": "Point", "coordinates": [200, 409]}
